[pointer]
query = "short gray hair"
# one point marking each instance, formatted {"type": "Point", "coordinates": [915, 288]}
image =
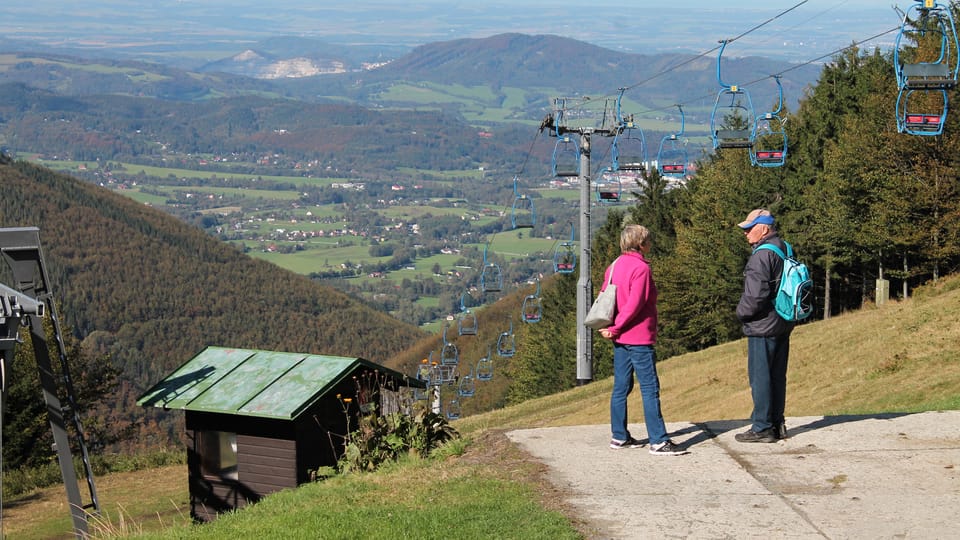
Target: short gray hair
{"type": "Point", "coordinates": [634, 236]}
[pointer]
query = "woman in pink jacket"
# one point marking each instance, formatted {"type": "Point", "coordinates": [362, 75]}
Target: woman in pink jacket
{"type": "Point", "coordinates": [634, 333]}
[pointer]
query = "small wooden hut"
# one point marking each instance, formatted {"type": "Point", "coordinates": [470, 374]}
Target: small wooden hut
{"type": "Point", "coordinates": [261, 421]}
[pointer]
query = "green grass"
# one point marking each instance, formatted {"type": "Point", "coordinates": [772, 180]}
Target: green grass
{"type": "Point", "coordinates": [458, 504]}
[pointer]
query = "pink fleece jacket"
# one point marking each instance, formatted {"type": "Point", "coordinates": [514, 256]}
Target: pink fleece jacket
{"type": "Point", "coordinates": [636, 320]}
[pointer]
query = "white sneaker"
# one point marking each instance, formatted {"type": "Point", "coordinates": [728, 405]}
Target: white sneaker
{"type": "Point", "coordinates": [667, 448]}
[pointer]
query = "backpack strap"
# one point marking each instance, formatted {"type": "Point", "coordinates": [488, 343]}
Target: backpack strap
{"type": "Point", "coordinates": [776, 250]}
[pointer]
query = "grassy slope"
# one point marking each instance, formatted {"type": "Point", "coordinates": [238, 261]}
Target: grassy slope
{"type": "Point", "coordinates": [902, 357]}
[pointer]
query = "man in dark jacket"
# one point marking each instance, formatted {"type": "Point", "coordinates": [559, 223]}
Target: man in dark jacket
{"type": "Point", "coordinates": [768, 334]}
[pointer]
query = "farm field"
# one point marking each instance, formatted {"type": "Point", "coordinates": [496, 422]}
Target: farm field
{"type": "Point", "coordinates": [377, 243]}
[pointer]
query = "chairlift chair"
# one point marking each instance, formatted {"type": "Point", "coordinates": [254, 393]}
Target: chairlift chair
{"type": "Point", "coordinates": [629, 147]}
{"type": "Point", "coordinates": [672, 154]}
{"type": "Point", "coordinates": [929, 28]}
{"type": "Point", "coordinates": [565, 256]}
{"type": "Point", "coordinates": [485, 368]}
{"type": "Point", "coordinates": [922, 114]}
{"type": "Point", "coordinates": [532, 309]}
{"type": "Point", "coordinates": [443, 375]}
{"type": "Point", "coordinates": [523, 215]}
{"type": "Point", "coordinates": [466, 319]}
{"type": "Point", "coordinates": [732, 119]}
{"type": "Point", "coordinates": [467, 386]}
{"type": "Point", "coordinates": [424, 373]}
{"type": "Point", "coordinates": [449, 354]}
{"type": "Point", "coordinates": [453, 409]}
{"type": "Point", "coordinates": [566, 157]}
{"type": "Point", "coordinates": [506, 343]}
{"type": "Point", "coordinates": [491, 277]}
{"type": "Point", "coordinates": [927, 61]}
{"type": "Point", "coordinates": [608, 187]}
{"type": "Point", "coordinates": [770, 139]}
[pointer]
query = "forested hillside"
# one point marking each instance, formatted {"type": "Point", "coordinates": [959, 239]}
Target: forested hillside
{"type": "Point", "coordinates": [150, 291]}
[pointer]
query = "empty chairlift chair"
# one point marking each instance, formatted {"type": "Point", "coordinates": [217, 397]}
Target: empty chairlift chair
{"type": "Point", "coordinates": [532, 309]}
{"type": "Point", "coordinates": [672, 154]}
{"type": "Point", "coordinates": [732, 119]}
{"type": "Point", "coordinates": [629, 148]}
{"type": "Point", "coordinates": [452, 409]}
{"type": "Point", "coordinates": [491, 277]}
{"type": "Point", "coordinates": [485, 368]}
{"type": "Point", "coordinates": [466, 319]}
{"type": "Point", "coordinates": [449, 353]}
{"type": "Point", "coordinates": [506, 343]}
{"type": "Point", "coordinates": [467, 385]}
{"type": "Point", "coordinates": [566, 157]}
{"type": "Point", "coordinates": [523, 215]}
{"type": "Point", "coordinates": [608, 187]}
{"type": "Point", "coordinates": [770, 140]}
{"type": "Point", "coordinates": [927, 61]}
{"type": "Point", "coordinates": [565, 256]}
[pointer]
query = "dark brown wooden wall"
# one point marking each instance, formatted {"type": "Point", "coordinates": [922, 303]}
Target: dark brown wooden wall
{"type": "Point", "coordinates": [266, 465]}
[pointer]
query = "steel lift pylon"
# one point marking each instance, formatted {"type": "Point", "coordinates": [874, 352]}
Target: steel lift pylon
{"type": "Point", "coordinates": [26, 304]}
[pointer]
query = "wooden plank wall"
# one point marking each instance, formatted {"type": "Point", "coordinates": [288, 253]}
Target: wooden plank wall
{"type": "Point", "coordinates": [266, 465]}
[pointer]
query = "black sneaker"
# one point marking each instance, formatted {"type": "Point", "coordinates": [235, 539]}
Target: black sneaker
{"type": "Point", "coordinates": [629, 443]}
{"type": "Point", "coordinates": [667, 448]}
{"type": "Point", "coordinates": [782, 430]}
{"type": "Point", "coordinates": [765, 436]}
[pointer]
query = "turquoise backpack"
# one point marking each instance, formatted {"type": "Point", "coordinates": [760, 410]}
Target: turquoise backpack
{"type": "Point", "coordinates": [794, 301]}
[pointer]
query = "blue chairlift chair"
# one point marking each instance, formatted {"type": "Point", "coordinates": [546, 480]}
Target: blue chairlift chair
{"type": "Point", "coordinates": [523, 215]}
{"type": "Point", "coordinates": [532, 309]}
{"type": "Point", "coordinates": [452, 409]}
{"type": "Point", "coordinates": [485, 368]}
{"type": "Point", "coordinates": [466, 319]}
{"type": "Point", "coordinates": [566, 157]}
{"type": "Point", "coordinates": [770, 139]}
{"type": "Point", "coordinates": [926, 52]}
{"type": "Point", "coordinates": [467, 385]}
{"type": "Point", "coordinates": [491, 277]}
{"type": "Point", "coordinates": [732, 119]}
{"type": "Point", "coordinates": [927, 60]}
{"type": "Point", "coordinates": [608, 187]}
{"type": "Point", "coordinates": [629, 147]}
{"type": "Point", "coordinates": [565, 255]}
{"type": "Point", "coordinates": [672, 154]}
{"type": "Point", "coordinates": [449, 354]}
{"type": "Point", "coordinates": [507, 343]}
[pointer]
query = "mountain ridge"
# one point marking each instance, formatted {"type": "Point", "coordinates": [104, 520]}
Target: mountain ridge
{"type": "Point", "coordinates": [502, 60]}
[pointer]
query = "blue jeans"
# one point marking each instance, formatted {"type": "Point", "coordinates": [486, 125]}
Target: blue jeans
{"type": "Point", "coordinates": [767, 368]}
{"type": "Point", "coordinates": [627, 361]}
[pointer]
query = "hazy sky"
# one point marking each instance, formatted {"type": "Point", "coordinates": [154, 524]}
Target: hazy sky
{"type": "Point", "coordinates": [813, 27]}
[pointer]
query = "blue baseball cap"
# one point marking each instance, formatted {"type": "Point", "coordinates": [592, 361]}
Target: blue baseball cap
{"type": "Point", "coordinates": [757, 217]}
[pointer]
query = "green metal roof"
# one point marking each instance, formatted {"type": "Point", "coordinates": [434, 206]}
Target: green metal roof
{"type": "Point", "coordinates": [254, 383]}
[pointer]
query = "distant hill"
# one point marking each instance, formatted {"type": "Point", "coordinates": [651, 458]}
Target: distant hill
{"type": "Point", "coordinates": [577, 68]}
{"type": "Point", "coordinates": [305, 69]}
{"type": "Point", "coordinates": [151, 291]}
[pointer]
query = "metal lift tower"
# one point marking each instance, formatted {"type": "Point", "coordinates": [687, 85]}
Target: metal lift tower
{"type": "Point", "coordinates": [27, 303]}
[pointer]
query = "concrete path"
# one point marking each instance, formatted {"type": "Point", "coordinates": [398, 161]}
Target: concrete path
{"type": "Point", "coordinates": [875, 476]}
